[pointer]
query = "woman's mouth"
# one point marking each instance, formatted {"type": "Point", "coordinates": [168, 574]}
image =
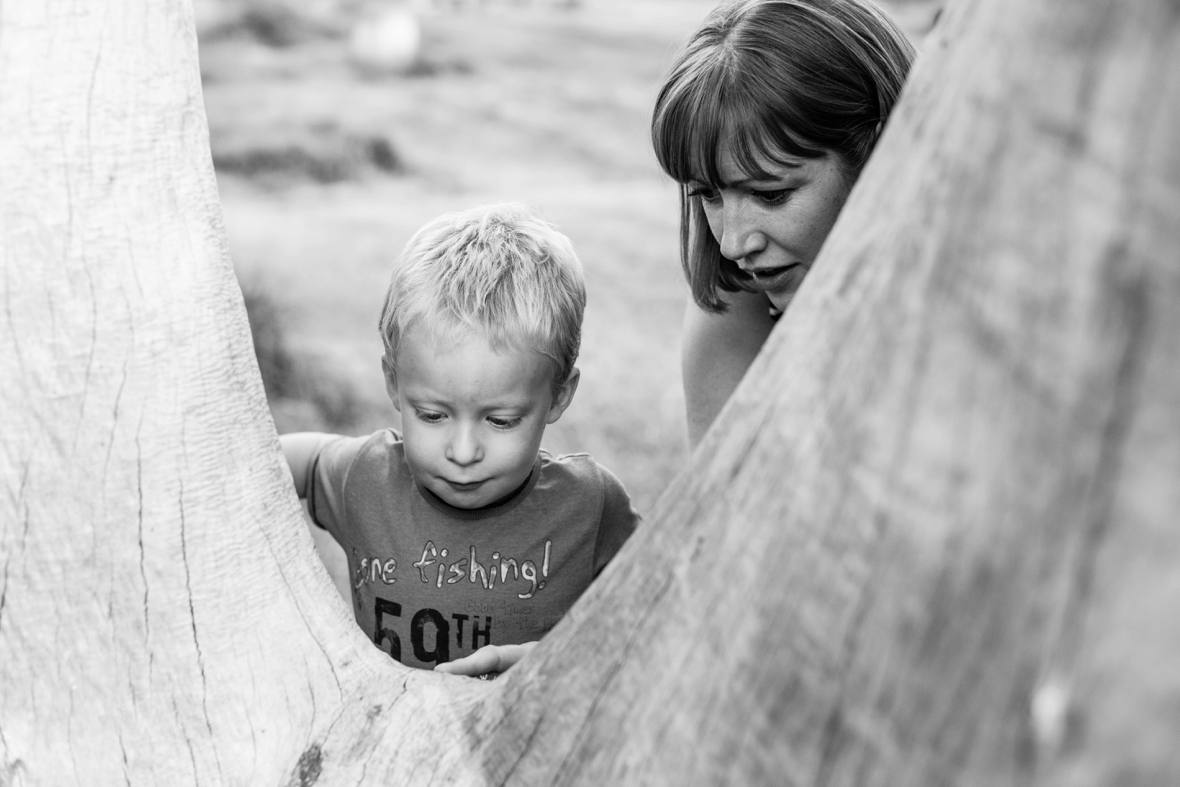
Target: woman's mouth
{"type": "Point", "coordinates": [775, 279]}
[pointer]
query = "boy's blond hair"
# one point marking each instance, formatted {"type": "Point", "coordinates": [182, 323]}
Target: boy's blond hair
{"type": "Point", "coordinates": [496, 270]}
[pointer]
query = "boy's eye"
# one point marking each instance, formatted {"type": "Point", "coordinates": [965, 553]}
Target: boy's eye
{"type": "Point", "coordinates": [428, 416]}
{"type": "Point", "coordinates": [503, 422]}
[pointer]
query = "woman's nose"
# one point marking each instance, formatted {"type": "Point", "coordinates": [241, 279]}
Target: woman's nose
{"type": "Point", "coordinates": [464, 447]}
{"type": "Point", "coordinates": [740, 236]}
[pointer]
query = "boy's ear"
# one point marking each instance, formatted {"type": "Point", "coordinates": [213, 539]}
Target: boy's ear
{"type": "Point", "coordinates": [565, 395]}
{"type": "Point", "coordinates": [390, 382]}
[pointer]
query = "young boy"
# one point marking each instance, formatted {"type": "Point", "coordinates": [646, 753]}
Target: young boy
{"type": "Point", "coordinates": [461, 532]}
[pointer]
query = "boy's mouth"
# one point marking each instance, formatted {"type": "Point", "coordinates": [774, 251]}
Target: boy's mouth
{"type": "Point", "coordinates": [463, 487]}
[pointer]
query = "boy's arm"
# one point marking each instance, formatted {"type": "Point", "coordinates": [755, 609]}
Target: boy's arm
{"type": "Point", "coordinates": [299, 448]}
{"type": "Point", "coordinates": [619, 519]}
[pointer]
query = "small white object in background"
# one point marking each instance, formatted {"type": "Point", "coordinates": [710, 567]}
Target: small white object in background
{"type": "Point", "coordinates": [386, 42]}
{"type": "Point", "coordinates": [1050, 711]}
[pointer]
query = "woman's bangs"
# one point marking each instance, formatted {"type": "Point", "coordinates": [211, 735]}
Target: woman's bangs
{"type": "Point", "coordinates": [763, 137]}
{"type": "Point", "coordinates": [750, 141]}
{"type": "Point", "coordinates": [707, 110]}
{"type": "Point", "coordinates": [688, 129]}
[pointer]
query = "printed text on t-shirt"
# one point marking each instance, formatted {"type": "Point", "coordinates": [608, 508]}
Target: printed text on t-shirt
{"type": "Point", "coordinates": [435, 567]}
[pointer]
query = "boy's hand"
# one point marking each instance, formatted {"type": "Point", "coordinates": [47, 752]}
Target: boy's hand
{"type": "Point", "coordinates": [487, 662]}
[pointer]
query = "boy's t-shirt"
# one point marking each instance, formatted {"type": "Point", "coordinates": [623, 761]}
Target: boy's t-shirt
{"type": "Point", "coordinates": [432, 583]}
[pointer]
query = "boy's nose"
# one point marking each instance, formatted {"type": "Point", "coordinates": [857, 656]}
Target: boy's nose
{"type": "Point", "coordinates": [464, 447]}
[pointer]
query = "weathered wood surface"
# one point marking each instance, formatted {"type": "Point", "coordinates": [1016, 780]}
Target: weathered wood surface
{"type": "Point", "coordinates": [162, 617]}
{"type": "Point", "coordinates": [931, 541]}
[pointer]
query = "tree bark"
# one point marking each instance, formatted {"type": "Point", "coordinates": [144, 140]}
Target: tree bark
{"type": "Point", "coordinates": [930, 541]}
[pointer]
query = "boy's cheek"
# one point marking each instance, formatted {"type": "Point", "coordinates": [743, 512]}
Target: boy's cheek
{"type": "Point", "coordinates": [415, 462]}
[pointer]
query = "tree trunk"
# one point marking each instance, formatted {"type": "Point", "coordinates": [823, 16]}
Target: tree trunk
{"type": "Point", "coordinates": [931, 540]}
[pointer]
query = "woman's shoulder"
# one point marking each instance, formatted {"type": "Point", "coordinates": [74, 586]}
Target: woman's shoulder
{"type": "Point", "coordinates": [716, 351]}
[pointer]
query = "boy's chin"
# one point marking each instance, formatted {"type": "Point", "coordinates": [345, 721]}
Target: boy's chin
{"type": "Point", "coordinates": [474, 496]}
{"type": "Point", "coordinates": [463, 496]}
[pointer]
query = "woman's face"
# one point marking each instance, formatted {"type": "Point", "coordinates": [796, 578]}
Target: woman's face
{"type": "Point", "coordinates": [771, 226]}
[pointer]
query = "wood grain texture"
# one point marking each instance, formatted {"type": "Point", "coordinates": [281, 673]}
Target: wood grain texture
{"type": "Point", "coordinates": [162, 616]}
{"type": "Point", "coordinates": [930, 541]}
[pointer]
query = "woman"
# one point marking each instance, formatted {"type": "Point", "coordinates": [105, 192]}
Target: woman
{"type": "Point", "coordinates": [766, 119]}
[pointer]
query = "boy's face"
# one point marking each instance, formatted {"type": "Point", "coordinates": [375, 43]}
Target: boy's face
{"type": "Point", "coordinates": [472, 417]}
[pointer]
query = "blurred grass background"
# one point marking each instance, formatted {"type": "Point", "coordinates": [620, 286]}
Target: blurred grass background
{"type": "Point", "coordinates": [338, 127]}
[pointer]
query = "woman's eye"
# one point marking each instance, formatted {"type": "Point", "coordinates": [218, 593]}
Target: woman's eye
{"type": "Point", "coordinates": [706, 193]}
{"type": "Point", "coordinates": [773, 196]}
{"type": "Point", "coordinates": [428, 416]}
{"type": "Point", "coordinates": [501, 422]}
